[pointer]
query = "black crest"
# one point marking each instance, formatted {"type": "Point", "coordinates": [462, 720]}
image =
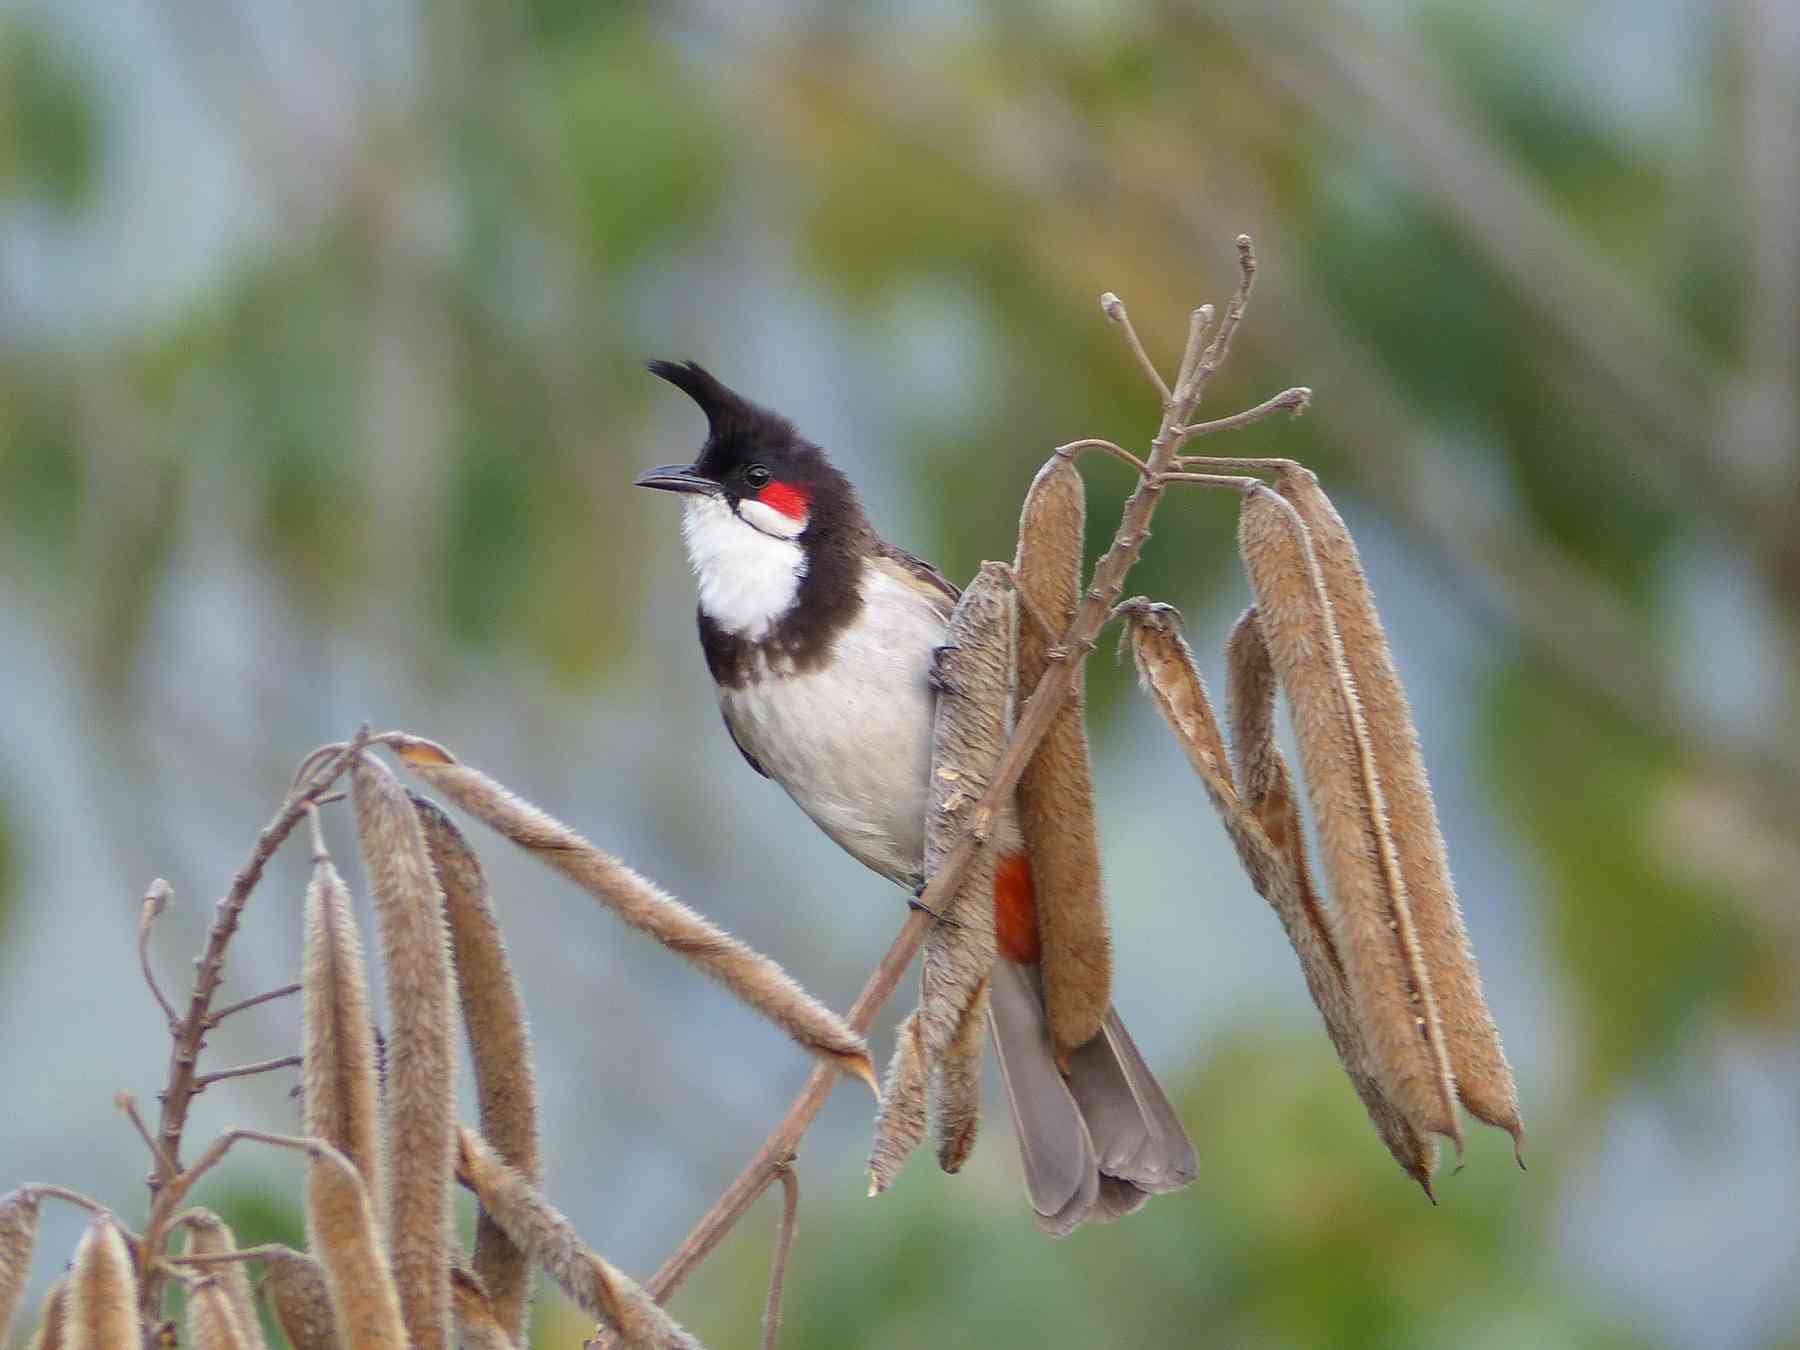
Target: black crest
{"type": "Point", "coordinates": [728, 413]}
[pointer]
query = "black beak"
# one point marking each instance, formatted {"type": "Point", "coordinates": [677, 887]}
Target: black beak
{"type": "Point", "coordinates": [675, 478]}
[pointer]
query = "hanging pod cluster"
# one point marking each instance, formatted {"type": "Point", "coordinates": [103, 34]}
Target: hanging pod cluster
{"type": "Point", "coordinates": [383, 1269]}
{"type": "Point", "coordinates": [1385, 954]}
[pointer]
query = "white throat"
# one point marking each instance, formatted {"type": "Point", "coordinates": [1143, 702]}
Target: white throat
{"type": "Point", "coordinates": [748, 578]}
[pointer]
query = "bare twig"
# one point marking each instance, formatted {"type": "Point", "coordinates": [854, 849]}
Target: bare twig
{"type": "Point", "coordinates": [1198, 322]}
{"type": "Point", "coordinates": [1118, 452]}
{"type": "Point", "coordinates": [128, 1104]}
{"type": "Point", "coordinates": [156, 899]}
{"type": "Point", "coordinates": [268, 1251]}
{"type": "Point", "coordinates": [190, 1034]}
{"type": "Point", "coordinates": [267, 996]}
{"type": "Point", "coordinates": [206, 1080]}
{"type": "Point", "coordinates": [1114, 309]}
{"type": "Point", "coordinates": [63, 1193]}
{"type": "Point", "coordinates": [1232, 482]}
{"type": "Point", "coordinates": [1039, 620]}
{"type": "Point", "coordinates": [1104, 588]}
{"type": "Point", "coordinates": [1288, 400]}
{"type": "Point", "coordinates": [784, 1238]}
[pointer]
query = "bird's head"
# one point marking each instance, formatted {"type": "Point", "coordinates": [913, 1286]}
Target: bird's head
{"type": "Point", "coordinates": [754, 464]}
{"type": "Point", "coordinates": [764, 505]}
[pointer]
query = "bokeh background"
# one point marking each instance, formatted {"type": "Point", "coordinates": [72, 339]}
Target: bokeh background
{"type": "Point", "coordinates": [320, 395]}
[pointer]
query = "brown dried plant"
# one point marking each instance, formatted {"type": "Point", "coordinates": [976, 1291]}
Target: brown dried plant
{"type": "Point", "coordinates": [208, 1235]}
{"type": "Point", "coordinates": [1056, 791]}
{"type": "Point", "coordinates": [974, 679]}
{"type": "Point", "coordinates": [340, 1090]}
{"type": "Point", "coordinates": [645, 906]}
{"type": "Point", "coordinates": [18, 1235]}
{"type": "Point", "coordinates": [300, 1298]}
{"type": "Point", "coordinates": [499, 1048]}
{"type": "Point", "coordinates": [419, 1088]}
{"type": "Point", "coordinates": [1385, 955]}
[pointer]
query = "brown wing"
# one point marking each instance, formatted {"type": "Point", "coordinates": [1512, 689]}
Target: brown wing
{"type": "Point", "coordinates": [918, 574]}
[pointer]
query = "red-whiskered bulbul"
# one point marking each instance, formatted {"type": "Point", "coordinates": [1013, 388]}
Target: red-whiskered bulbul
{"type": "Point", "coordinates": [821, 638]}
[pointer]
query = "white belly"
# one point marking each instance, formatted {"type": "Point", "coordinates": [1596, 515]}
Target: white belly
{"type": "Point", "coordinates": [852, 743]}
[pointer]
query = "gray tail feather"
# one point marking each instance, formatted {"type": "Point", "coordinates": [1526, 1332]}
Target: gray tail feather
{"type": "Point", "coordinates": [1098, 1143]}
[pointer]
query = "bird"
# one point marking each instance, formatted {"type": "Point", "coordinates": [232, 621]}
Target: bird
{"type": "Point", "coordinates": [821, 636]}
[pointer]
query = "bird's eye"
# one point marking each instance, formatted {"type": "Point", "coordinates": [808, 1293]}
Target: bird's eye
{"type": "Point", "coordinates": [757, 476]}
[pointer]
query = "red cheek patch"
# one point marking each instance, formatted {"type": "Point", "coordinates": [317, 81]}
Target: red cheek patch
{"type": "Point", "coordinates": [788, 498]}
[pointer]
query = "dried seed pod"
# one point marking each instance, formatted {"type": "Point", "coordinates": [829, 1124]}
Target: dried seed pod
{"type": "Point", "coordinates": [213, 1319]}
{"type": "Point", "coordinates": [1370, 924]}
{"type": "Point", "coordinates": [550, 1239]}
{"type": "Point", "coordinates": [974, 675]}
{"type": "Point", "coordinates": [1056, 790]}
{"type": "Point", "coordinates": [51, 1327]}
{"type": "Point", "coordinates": [419, 1106]}
{"type": "Point", "coordinates": [209, 1236]}
{"type": "Point", "coordinates": [477, 1326]}
{"type": "Point", "coordinates": [1484, 1080]}
{"type": "Point", "coordinates": [365, 1304]}
{"type": "Point", "coordinates": [499, 1049]}
{"type": "Point", "coordinates": [341, 1098]}
{"type": "Point", "coordinates": [958, 1115]}
{"type": "Point", "coordinates": [18, 1235]}
{"type": "Point", "coordinates": [900, 1120]}
{"type": "Point", "coordinates": [1265, 786]}
{"type": "Point", "coordinates": [302, 1302]}
{"type": "Point", "coordinates": [754, 978]}
{"type": "Point", "coordinates": [100, 1311]}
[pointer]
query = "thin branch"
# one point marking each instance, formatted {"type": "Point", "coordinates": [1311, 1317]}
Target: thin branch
{"type": "Point", "coordinates": [1198, 322]}
{"type": "Point", "coordinates": [784, 1238]}
{"type": "Point", "coordinates": [206, 1080]}
{"type": "Point", "coordinates": [269, 1251]}
{"type": "Point", "coordinates": [1034, 719]}
{"type": "Point", "coordinates": [1234, 313]}
{"type": "Point", "coordinates": [1026, 605]}
{"type": "Point", "coordinates": [267, 996]}
{"type": "Point", "coordinates": [156, 899]}
{"type": "Point", "coordinates": [1288, 400]}
{"type": "Point", "coordinates": [190, 1034]}
{"type": "Point", "coordinates": [128, 1104]}
{"type": "Point", "coordinates": [56, 1192]}
{"type": "Point", "coordinates": [1220, 480]}
{"type": "Point", "coordinates": [1114, 309]}
{"type": "Point", "coordinates": [1116, 451]}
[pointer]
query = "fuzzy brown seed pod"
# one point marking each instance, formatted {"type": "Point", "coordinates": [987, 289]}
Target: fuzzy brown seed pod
{"type": "Point", "coordinates": [365, 1304]}
{"type": "Point", "coordinates": [974, 674]}
{"type": "Point", "coordinates": [301, 1299]}
{"type": "Point", "coordinates": [341, 1098]}
{"type": "Point", "coordinates": [1056, 790]}
{"type": "Point", "coordinates": [213, 1319]}
{"type": "Point", "coordinates": [1484, 1080]}
{"type": "Point", "coordinates": [958, 1113]}
{"type": "Point", "coordinates": [1265, 786]}
{"type": "Point", "coordinates": [900, 1120]}
{"type": "Point", "coordinates": [477, 1326]}
{"type": "Point", "coordinates": [51, 1328]}
{"type": "Point", "coordinates": [18, 1235]}
{"type": "Point", "coordinates": [208, 1235]}
{"type": "Point", "coordinates": [499, 1049]}
{"type": "Point", "coordinates": [644, 905]}
{"type": "Point", "coordinates": [101, 1305]}
{"type": "Point", "coordinates": [419, 1105]}
{"type": "Point", "coordinates": [605, 1292]}
{"type": "Point", "coordinates": [1371, 925]}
